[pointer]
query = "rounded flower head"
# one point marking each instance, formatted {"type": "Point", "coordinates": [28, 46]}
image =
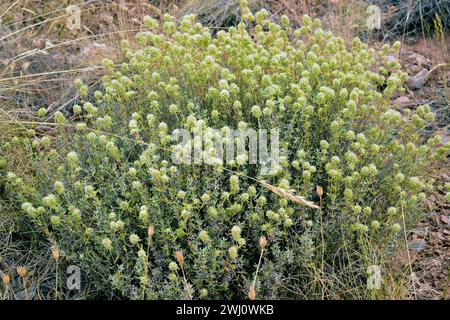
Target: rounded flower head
{"type": "Point", "coordinates": [51, 201]}
{"type": "Point", "coordinates": [134, 239]}
{"type": "Point", "coordinates": [375, 225]}
{"type": "Point", "coordinates": [173, 266]}
{"type": "Point", "coordinates": [59, 187]}
{"type": "Point", "coordinates": [233, 252]}
{"type": "Point", "coordinates": [234, 184]}
{"type": "Point", "coordinates": [256, 111]}
{"type": "Point", "coordinates": [236, 232]}
{"type": "Point", "coordinates": [142, 254]}
{"type": "Point", "coordinates": [205, 197]}
{"type": "Point", "coordinates": [55, 220]}
{"type": "Point", "coordinates": [89, 191]}
{"type": "Point", "coordinates": [203, 236]}
{"type": "Point", "coordinates": [107, 244]}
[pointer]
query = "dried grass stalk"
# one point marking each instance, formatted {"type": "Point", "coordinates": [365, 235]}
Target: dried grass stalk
{"type": "Point", "coordinates": [289, 194]}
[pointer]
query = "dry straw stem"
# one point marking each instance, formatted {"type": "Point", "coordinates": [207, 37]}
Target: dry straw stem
{"type": "Point", "coordinates": [289, 194]}
{"type": "Point", "coordinates": [252, 291]}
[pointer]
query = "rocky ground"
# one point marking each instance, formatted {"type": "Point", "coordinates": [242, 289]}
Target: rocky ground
{"type": "Point", "coordinates": [429, 243]}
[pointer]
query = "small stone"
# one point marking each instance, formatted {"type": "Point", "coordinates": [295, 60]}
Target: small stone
{"type": "Point", "coordinates": [419, 80]}
{"type": "Point", "coordinates": [417, 245]}
{"type": "Point", "coordinates": [402, 101]}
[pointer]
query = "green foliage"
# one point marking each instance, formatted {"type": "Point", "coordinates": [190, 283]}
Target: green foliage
{"type": "Point", "coordinates": [106, 192]}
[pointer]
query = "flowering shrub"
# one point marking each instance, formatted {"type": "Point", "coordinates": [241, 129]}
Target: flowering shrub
{"type": "Point", "coordinates": [108, 195]}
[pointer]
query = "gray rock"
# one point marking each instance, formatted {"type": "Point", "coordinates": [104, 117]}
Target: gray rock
{"type": "Point", "coordinates": [417, 245]}
{"type": "Point", "coordinates": [419, 80]}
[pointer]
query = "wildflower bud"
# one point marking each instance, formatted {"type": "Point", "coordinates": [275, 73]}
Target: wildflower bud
{"type": "Point", "coordinates": [251, 191]}
{"type": "Point", "coordinates": [134, 239]}
{"type": "Point", "coordinates": [59, 117]}
{"type": "Point", "coordinates": [236, 232]}
{"type": "Point", "coordinates": [41, 112]}
{"type": "Point", "coordinates": [397, 45]}
{"type": "Point", "coordinates": [143, 214]}
{"type": "Point", "coordinates": [252, 293]}
{"type": "Point", "coordinates": [22, 271]}
{"type": "Point", "coordinates": [181, 195]}
{"type": "Point", "coordinates": [288, 222]}
{"type": "Point", "coordinates": [55, 220]}
{"type": "Point", "coordinates": [107, 244]}
{"type": "Point", "coordinates": [391, 211]}
{"type": "Point", "coordinates": [262, 242]}
{"type": "Point", "coordinates": [173, 108]}
{"type": "Point", "coordinates": [233, 252]}
{"type": "Point", "coordinates": [88, 232]}
{"type": "Point", "coordinates": [261, 202]}
{"type": "Point", "coordinates": [89, 191]}
{"type": "Point", "coordinates": [205, 197]}
{"type": "Point", "coordinates": [240, 242]}
{"type": "Point", "coordinates": [150, 22]}
{"type": "Point", "coordinates": [203, 293]}
{"type": "Point", "coordinates": [133, 126]}
{"type": "Point", "coordinates": [45, 142]}
{"type": "Point", "coordinates": [173, 276]}
{"type": "Point", "coordinates": [348, 194]}
{"type": "Point", "coordinates": [360, 227]}
{"type": "Point", "coordinates": [72, 159]}
{"type": "Point", "coordinates": [180, 257]}
{"type": "Point", "coordinates": [375, 225]}
{"type": "Point", "coordinates": [357, 209]}
{"type": "Point", "coordinates": [77, 109]}
{"type": "Point", "coordinates": [422, 196]}
{"type": "Point", "coordinates": [142, 254]}
{"type": "Point", "coordinates": [234, 184]}
{"type": "Point", "coordinates": [256, 111]}
{"type": "Point", "coordinates": [396, 227]}
{"type": "Point", "coordinates": [203, 236]}
{"type": "Point", "coordinates": [173, 266]}
{"type": "Point", "coordinates": [59, 187]}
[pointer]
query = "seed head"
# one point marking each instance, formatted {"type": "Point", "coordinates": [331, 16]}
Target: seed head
{"type": "Point", "coordinates": [263, 242]}
{"type": "Point", "coordinates": [319, 191]}
{"type": "Point", "coordinates": [150, 231]}
{"type": "Point", "coordinates": [6, 279]}
{"type": "Point", "coordinates": [22, 271]}
{"type": "Point", "coordinates": [55, 253]}
{"type": "Point", "coordinates": [252, 293]}
{"type": "Point", "coordinates": [180, 257]}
